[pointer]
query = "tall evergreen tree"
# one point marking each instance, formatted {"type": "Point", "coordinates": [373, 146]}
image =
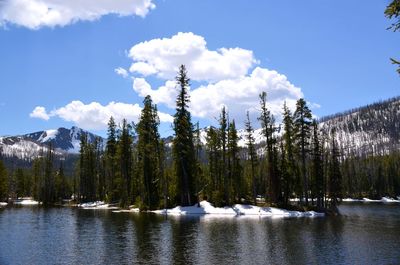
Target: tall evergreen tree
{"type": "Point", "coordinates": [302, 123]}
{"type": "Point", "coordinates": [48, 188]}
{"type": "Point", "coordinates": [223, 133]}
{"type": "Point", "coordinates": [214, 159]}
{"type": "Point", "coordinates": [317, 167]}
{"type": "Point", "coordinates": [183, 147]}
{"type": "Point", "coordinates": [125, 161]}
{"type": "Point", "coordinates": [235, 169]}
{"type": "Point", "coordinates": [148, 154]}
{"type": "Point", "coordinates": [110, 160]}
{"type": "Point", "coordinates": [268, 129]}
{"type": "Point", "coordinates": [3, 182]}
{"type": "Point", "coordinates": [290, 168]}
{"type": "Point", "coordinates": [335, 176]}
{"type": "Point", "coordinates": [252, 156]}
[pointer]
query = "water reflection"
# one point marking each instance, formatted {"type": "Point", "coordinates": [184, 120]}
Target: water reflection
{"type": "Point", "coordinates": [365, 234]}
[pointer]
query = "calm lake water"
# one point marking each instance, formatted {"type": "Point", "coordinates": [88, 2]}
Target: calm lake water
{"type": "Point", "coordinates": [364, 234]}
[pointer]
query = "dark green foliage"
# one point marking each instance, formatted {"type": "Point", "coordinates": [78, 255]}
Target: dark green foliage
{"type": "Point", "coordinates": [335, 176]}
{"type": "Point", "coordinates": [268, 128]}
{"type": "Point", "coordinates": [110, 161]}
{"type": "Point", "coordinates": [393, 12]}
{"type": "Point", "coordinates": [125, 164]}
{"type": "Point", "coordinates": [251, 157]}
{"type": "Point", "coordinates": [289, 166]}
{"type": "Point", "coordinates": [235, 168]}
{"type": "Point", "coordinates": [302, 128]}
{"type": "Point", "coordinates": [183, 147]}
{"type": "Point", "coordinates": [148, 148]}
{"type": "Point", "coordinates": [3, 182]}
{"type": "Point", "coordinates": [317, 168]}
{"type": "Point", "coordinates": [48, 191]}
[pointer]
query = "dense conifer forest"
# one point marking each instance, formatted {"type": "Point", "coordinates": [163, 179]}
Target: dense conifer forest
{"type": "Point", "coordinates": [300, 158]}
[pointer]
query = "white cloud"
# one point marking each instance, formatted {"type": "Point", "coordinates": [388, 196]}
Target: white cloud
{"type": "Point", "coordinates": [35, 14]}
{"type": "Point", "coordinates": [239, 95]}
{"type": "Point", "coordinates": [94, 116]}
{"type": "Point", "coordinates": [163, 57]}
{"type": "Point", "coordinates": [121, 71]}
{"type": "Point", "coordinates": [40, 113]}
{"type": "Point", "coordinates": [165, 94]}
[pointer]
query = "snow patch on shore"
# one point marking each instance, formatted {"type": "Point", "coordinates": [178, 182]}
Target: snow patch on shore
{"type": "Point", "coordinates": [236, 210]}
{"type": "Point", "coordinates": [26, 202]}
{"type": "Point", "coordinates": [384, 199]}
{"type": "Point", "coordinates": [97, 205]}
{"type": "Point", "coordinates": [3, 204]}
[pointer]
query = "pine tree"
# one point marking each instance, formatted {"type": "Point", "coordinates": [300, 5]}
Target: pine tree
{"type": "Point", "coordinates": [268, 129]}
{"type": "Point", "coordinates": [289, 158]}
{"type": "Point", "coordinates": [223, 134]}
{"type": "Point", "coordinates": [3, 182]}
{"type": "Point", "coordinates": [148, 154]}
{"type": "Point", "coordinates": [20, 179]}
{"type": "Point", "coordinates": [110, 160]}
{"type": "Point", "coordinates": [252, 157]}
{"type": "Point", "coordinates": [48, 188]}
{"type": "Point", "coordinates": [37, 176]}
{"type": "Point", "coordinates": [302, 123]}
{"type": "Point", "coordinates": [317, 166]}
{"type": "Point", "coordinates": [335, 176]}
{"type": "Point", "coordinates": [235, 169]}
{"type": "Point", "coordinates": [392, 11]}
{"type": "Point", "coordinates": [214, 165]}
{"type": "Point", "coordinates": [125, 161]}
{"type": "Point", "coordinates": [183, 147]}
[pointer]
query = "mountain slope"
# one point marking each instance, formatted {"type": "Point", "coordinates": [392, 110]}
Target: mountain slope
{"type": "Point", "coordinates": [372, 129]}
{"type": "Point", "coordinates": [29, 146]}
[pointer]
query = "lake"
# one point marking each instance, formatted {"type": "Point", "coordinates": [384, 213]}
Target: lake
{"type": "Point", "coordinates": [364, 234]}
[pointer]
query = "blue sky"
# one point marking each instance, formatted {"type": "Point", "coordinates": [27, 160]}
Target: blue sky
{"type": "Point", "coordinates": [334, 53]}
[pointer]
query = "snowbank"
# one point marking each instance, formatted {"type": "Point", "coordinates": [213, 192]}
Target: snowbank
{"type": "Point", "coordinates": [26, 202]}
{"type": "Point", "coordinates": [236, 210]}
{"type": "Point", "coordinates": [3, 204]}
{"type": "Point", "coordinates": [351, 200]}
{"type": "Point", "coordinates": [132, 210]}
{"type": "Point", "coordinates": [97, 205]}
{"type": "Point", "coordinates": [384, 199]}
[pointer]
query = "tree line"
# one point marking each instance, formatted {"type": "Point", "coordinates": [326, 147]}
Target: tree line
{"type": "Point", "coordinates": [136, 166]}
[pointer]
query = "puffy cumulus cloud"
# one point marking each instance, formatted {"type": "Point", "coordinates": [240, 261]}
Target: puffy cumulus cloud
{"type": "Point", "coordinates": [121, 71]}
{"type": "Point", "coordinates": [239, 95]}
{"type": "Point", "coordinates": [165, 94]}
{"type": "Point", "coordinates": [95, 116]}
{"type": "Point", "coordinates": [35, 14]}
{"type": "Point", "coordinates": [40, 113]}
{"type": "Point", "coordinates": [162, 57]}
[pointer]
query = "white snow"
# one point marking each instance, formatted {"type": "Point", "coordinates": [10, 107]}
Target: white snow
{"type": "Point", "coordinates": [384, 199]}
{"type": "Point", "coordinates": [351, 200]}
{"type": "Point", "coordinates": [3, 204]}
{"type": "Point", "coordinates": [48, 135]}
{"type": "Point", "coordinates": [131, 210]}
{"type": "Point", "coordinates": [26, 202]}
{"type": "Point", "coordinates": [97, 205]}
{"type": "Point", "coordinates": [236, 210]}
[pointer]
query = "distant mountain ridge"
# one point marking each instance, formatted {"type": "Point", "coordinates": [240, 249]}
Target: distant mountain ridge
{"type": "Point", "coordinates": [31, 145]}
{"type": "Point", "coordinates": [372, 129]}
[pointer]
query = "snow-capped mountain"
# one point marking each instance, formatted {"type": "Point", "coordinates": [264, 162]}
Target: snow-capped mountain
{"type": "Point", "coordinates": [372, 129]}
{"type": "Point", "coordinates": [29, 146]}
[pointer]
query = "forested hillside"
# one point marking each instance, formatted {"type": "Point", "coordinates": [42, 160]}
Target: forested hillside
{"type": "Point", "coordinates": [370, 130]}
